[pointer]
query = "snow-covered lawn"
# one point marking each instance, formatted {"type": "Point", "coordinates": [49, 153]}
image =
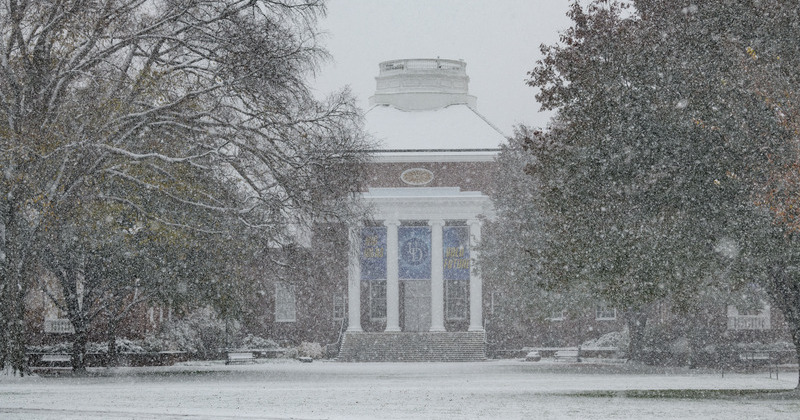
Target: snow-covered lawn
{"type": "Point", "coordinates": [494, 390]}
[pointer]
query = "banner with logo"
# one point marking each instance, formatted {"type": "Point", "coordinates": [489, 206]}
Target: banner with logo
{"type": "Point", "coordinates": [455, 241]}
{"type": "Point", "coordinates": [373, 253]}
{"type": "Point", "coordinates": [414, 252]}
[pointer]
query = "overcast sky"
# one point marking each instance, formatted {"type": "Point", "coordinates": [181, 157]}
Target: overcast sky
{"type": "Point", "coordinates": [498, 39]}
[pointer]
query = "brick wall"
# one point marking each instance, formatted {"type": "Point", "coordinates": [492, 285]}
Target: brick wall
{"type": "Point", "coordinates": [469, 176]}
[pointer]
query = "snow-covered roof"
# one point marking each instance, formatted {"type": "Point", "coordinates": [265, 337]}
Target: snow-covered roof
{"type": "Point", "coordinates": [454, 127]}
{"type": "Point", "coordinates": [422, 110]}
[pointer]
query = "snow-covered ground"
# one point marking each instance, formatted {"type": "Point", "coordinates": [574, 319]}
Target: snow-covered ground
{"type": "Point", "coordinates": [494, 390]}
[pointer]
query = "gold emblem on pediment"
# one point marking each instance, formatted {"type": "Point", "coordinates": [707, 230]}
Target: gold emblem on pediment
{"type": "Point", "coordinates": [416, 176]}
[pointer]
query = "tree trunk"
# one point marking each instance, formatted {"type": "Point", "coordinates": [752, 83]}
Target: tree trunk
{"type": "Point", "coordinates": [12, 336]}
{"type": "Point", "coordinates": [79, 349]}
{"type": "Point", "coordinates": [636, 321]}
{"type": "Point", "coordinates": [784, 289]}
{"type": "Point", "coordinates": [16, 240]}
{"type": "Point", "coordinates": [5, 324]}
{"type": "Point", "coordinates": [18, 335]}
{"type": "Point", "coordinates": [796, 338]}
{"type": "Point", "coordinates": [113, 357]}
{"type": "Point", "coordinates": [12, 315]}
{"type": "Point", "coordinates": [76, 312]}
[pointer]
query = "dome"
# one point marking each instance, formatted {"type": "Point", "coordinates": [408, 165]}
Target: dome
{"type": "Point", "coordinates": [423, 105]}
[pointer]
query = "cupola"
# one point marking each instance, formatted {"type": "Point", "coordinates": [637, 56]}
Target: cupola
{"type": "Point", "coordinates": [422, 84]}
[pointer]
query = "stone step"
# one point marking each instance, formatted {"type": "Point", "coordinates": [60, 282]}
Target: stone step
{"type": "Point", "coordinates": [413, 347]}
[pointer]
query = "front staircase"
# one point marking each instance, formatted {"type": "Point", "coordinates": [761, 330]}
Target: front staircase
{"type": "Point", "coordinates": [413, 347]}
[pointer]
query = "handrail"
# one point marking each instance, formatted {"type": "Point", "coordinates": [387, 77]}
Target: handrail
{"type": "Point", "coordinates": [423, 64]}
{"type": "Point", "coordinates": [338, 342]}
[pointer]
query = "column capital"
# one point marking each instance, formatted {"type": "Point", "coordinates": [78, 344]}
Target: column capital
{"type": "Point", "coordinates": [354, 231]}
{"type": "Point", "coordinates": [391, 222]}
{"type": "Point", "coordinates": [473, 222]}
{"type": "Point", "coordinates": [436, 222]}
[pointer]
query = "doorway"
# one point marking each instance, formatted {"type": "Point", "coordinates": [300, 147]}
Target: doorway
{"type": "Point", "coordinates": [417, 304]}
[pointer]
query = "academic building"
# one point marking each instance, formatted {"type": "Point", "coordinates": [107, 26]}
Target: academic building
{"type": "Point", "coordinates": [412, 290]}
{"type": "Point", "coordinates": [402, 284]}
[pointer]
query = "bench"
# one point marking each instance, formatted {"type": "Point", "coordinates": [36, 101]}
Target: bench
{"type": "Point", "coordinates": [755, 357]}
{"type": "Point", "coordinates": [52, 362]}
{"type": "Point", "coordinates": [568, 354]}
{"type": "Point", "coordinates": [240, 357]}
{"type": "Point", "coordinates": [760, 358]}
{"type": "Point", "coordinates": [54, 359]}
{"type": "Point", "coordinates": [269, 353]}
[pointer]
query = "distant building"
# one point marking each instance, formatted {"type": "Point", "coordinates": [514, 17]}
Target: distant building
{"type": "Point", "coordinates": [413, 293]}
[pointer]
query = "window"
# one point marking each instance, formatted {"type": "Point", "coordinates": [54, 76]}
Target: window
{"type": "Point", "coordinates": [558, 315]}
{"type": "Point", "coordinates": [58, 326]}
{"type": "Point", "coordinates": [456, 299]}
{"type": "Point", "coordinates": [285, 309]}
{"type": "Point", "coordinates": [377, 299]}
{"type": "Point", "coordinates": [496, 305]}
{"type": "Point", "coordinates": [604, 313]}
{"type": "Point", "coordinates": [338, 306]}
{"type": "Point", "coordinates": [749, 318]}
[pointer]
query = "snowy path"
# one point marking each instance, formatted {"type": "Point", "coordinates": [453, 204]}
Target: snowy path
{"type": "Point", "coordinates": [320, 390]}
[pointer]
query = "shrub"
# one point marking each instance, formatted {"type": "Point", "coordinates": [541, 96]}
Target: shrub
{"type": "Point", "coordinates": [255, 342]}
{"type": "Point", "coordinates": [312, 350]}
{"type": "Point", "coordinates": [123, 346]}
{"type": "Point", "coordinates": [201, 333]}
{"type": "Point", "coordinates": [612, 339]}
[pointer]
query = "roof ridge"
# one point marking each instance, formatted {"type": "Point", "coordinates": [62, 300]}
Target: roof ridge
{"type": "Point", "coordinates": [487, 121]}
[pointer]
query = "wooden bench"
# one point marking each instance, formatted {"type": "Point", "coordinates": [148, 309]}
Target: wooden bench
{"type": "Point", "coordinates": [574, 354]}
{"type": "Point", "coordinates": [240, 357]}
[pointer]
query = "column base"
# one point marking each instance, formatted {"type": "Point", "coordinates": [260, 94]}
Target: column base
{"type": "Point", "coordinates": [437, 329]}
{"type": "Point", "coordinates": [392, 329]}
{"type": "Point", "coordinates": [475, 328]}
{"type": "Point", "coordinates": [354, 329]}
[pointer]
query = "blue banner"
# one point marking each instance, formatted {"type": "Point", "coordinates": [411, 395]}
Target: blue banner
{"type": "Point", "coordinates": [373, 253]}
{"type": "Point", "coordinates": [414, 251]}
{"type": "Point", "coordinates": [455, 243]}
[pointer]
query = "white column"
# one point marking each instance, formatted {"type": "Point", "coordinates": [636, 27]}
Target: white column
{"type": "Point", "coordinates": [437, 276]}
{"type": "Point", "coordinates": [475, 281]}
{"type": "Point", "coordinates": [392, 281]}
{"type": "Point", "coordinates": [354, 281]}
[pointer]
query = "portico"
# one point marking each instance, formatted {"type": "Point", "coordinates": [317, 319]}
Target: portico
{"type": "Point", "coordinates": [423, 239]}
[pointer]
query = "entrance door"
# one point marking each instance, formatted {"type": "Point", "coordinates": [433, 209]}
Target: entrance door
{"type": "Point", "coordinates": [417, 305]}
